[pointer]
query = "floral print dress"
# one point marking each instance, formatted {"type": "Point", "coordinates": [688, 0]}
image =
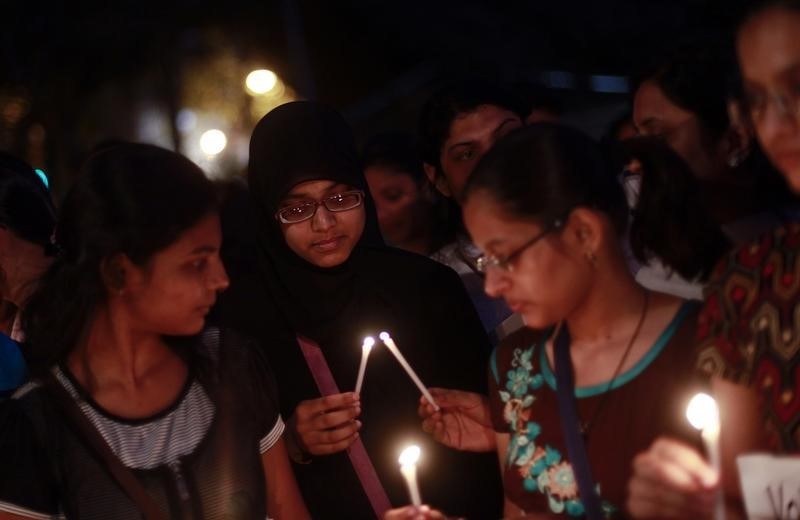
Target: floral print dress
{"type": "Point", "coordinates": [646, 401]}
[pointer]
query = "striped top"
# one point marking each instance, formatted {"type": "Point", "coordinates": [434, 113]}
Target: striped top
{"type": "Point", "coordinates": [197, 461]}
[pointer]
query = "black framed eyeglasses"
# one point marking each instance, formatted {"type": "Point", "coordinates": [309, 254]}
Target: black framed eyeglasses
{"type": "Point", "coordinates": [486, 262]}
{"type": "Point", "coordinates": [305, 210]}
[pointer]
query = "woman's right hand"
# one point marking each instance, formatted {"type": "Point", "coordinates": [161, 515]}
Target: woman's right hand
{"type": "Point", "coordinates": [463, 422]}
{"type": "Point", "coordinates": [325, 425]}
{"type": "Point", "coordinates": [671, 480]}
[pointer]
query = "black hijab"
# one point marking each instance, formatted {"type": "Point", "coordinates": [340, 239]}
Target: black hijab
{"type": "Point", "coordinates": [294, 143]}
{"type": "Point", "coordinates": [423, 304]}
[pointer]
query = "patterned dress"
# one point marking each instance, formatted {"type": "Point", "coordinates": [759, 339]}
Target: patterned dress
{"type": "Point", "coordinates": [645, 402]}
{"type": "Point", "coordinates": [749, 328]}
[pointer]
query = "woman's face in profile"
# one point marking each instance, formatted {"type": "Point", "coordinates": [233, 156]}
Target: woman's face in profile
{"type": "Point", "coordinates": [174, 292]}
{"type": "Point", "coordinates": [327, 238]}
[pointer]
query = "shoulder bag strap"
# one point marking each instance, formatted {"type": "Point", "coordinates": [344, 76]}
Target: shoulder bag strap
{"type": "Point", "coordinates": [565, 390]}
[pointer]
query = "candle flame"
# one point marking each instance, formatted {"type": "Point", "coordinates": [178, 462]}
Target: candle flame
{"type": "Point", "coordinates": [702, 412]}
{"type": "Point", "coordinates": [369, 341]}
{"type": "Point", "coordinates": [410, 455]}
{"type": "Point", "coordinates": [384, 336]}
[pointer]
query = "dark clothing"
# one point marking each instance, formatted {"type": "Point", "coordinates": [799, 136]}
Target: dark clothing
{"type": "Point", "coordinates": [422, 304]}
{"type": "Point", "coordinates": [424, 307]}
{"type": "Point", "coordinates": [199, 458]}
{"type": "Point", "coordinates": [643, 403]}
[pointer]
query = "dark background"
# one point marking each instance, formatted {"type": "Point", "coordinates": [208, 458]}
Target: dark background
{"type": "Point", "coordinates": [75, 76]}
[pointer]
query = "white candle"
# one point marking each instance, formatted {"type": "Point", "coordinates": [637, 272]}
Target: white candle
{"type": "Point", "coordinates": [390, 344]}
{"type": "Point", "coordinates": [703, 414]}
{"type": "Point", "coordinates": [408, 467]}
{"type": "Point", "coordinates": [366, 348]}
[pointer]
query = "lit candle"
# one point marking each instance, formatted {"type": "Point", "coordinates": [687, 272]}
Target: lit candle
{"type": "Point", "coordinates": [390, 344]}
{"type": "Point", "coordinates": [408, 467]}
{"type": "Point", "coordinates": [703, 414]}
{"type": "Point", "coordinates": [366, 348]}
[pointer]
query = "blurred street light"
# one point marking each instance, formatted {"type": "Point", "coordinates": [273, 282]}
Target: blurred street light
{"type": "Point", "coordinates": [213, 142]}
{"type": "Point", "coordinates": [260, 81]}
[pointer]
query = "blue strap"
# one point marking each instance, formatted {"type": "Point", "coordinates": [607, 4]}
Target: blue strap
{"type": "Point", "coordinates": [565, 391]}
{"type": "Point", "coordinates": [13, 371]}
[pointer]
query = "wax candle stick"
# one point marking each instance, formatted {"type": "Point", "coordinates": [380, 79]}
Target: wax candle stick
{"type": "Point", "coordinates": [703, 414]}
{"type": "Point", "coordinates": [408, 467]}
{"type": "Point", "coordinates": [366, 348]}
{"type": "Point", "coordinates": [390, 344]}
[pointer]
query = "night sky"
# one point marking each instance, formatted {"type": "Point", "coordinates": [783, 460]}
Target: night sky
{"type": "Point", "coordinates": [73, 77]}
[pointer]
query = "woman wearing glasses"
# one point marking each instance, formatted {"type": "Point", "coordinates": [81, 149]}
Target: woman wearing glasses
{"type": "Point", "coordinates": [324, 274]}
{"type": "Point", "coordinates": [748, 341]}
{"type": "Point", "coordinates": [548, 216]}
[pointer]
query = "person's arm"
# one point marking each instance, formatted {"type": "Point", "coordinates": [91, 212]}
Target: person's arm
{"type": "Point", "coordinates": [283, 496]}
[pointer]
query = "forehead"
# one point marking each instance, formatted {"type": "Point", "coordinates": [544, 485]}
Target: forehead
{"type": "Point", "coordinates": [769, 44]}
{"type": "Point", "coordinates": [490, 225]}
{"type": "Point", "coordinates": [204, 236]}
{"type": "Point", "coordinates": [312, 189]}
{"type": "Point", "coordinates": [484, 119]}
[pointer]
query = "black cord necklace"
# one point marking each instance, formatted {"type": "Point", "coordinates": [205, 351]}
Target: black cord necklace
{"type": "Point", "coordinates": [585, 426]}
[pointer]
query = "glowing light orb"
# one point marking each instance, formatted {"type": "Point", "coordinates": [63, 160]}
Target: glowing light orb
{"type": "Point", "coordinates": [213, 141]}
{"type": "Point", "coordinates": [261, 81]}
{"type": "Point", "coordinates": [410, 456]}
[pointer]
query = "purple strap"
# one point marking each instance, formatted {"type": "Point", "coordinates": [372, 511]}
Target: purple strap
{"type": "Point", "coordinates": [359, 458]}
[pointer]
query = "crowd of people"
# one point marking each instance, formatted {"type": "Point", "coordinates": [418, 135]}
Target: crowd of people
{"type": "Point", "coordinates": [173, 348]}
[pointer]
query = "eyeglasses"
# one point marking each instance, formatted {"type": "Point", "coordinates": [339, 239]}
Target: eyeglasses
{"type": "Point", "coordinates": [785, 100]}
{"type": "Point", "coordinates": [486, 262]}
{"type": "Point", "coordinates": [305, 210]}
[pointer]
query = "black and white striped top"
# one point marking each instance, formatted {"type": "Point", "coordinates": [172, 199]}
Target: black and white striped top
{"type": "Point", "coordinates": [183, 454]}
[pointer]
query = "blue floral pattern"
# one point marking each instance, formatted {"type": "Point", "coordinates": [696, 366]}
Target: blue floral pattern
{"type": "Point", "coordinates": [541, 467]}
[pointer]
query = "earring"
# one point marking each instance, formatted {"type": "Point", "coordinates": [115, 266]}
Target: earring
{"type": "Point", "coordinates": [591, 257]}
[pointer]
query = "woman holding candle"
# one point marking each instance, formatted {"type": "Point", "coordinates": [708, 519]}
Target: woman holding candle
{"type": "Point", "coordinates": [748, 327]}
{"type": "Point", "coordinates": [134, 406]}
{"type": "Point", "coordinates": [324, 274]}
{"type": "Point", "coordinates": [547, 212]}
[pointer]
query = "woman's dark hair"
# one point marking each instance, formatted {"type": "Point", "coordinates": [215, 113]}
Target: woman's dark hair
{"type": "Point", "coordinates": [700, 77]}
{"type": "Point", "coordinates": [544, 171]}
{"type": "Point", "coordinates": [26, 207]}
{"type": "Point", "coordinates": [669, 221]}
{"type": "Point", "coordinates": [397, 151]}
{"type": "Point", "coordinates": [133, 199]}
{"type": "Point", "coordinates": [453, 100]}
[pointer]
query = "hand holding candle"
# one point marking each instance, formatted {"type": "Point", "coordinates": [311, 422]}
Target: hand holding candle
{"type": "Point", "coordinates": [390, 344]}
{"type": "Point", "coordinates": [408, 467]}
{"type": "Point", "coordinates": [703, 414]}
{"type": "Point", "coordinates": [366, 348]}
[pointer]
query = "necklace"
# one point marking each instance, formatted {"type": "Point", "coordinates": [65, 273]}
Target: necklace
{"type": "Point", "coordinates": [585, 426]}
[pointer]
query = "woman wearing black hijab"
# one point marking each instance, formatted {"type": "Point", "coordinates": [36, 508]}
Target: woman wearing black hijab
{"type": "Point", "coordinates": [324, 274]}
